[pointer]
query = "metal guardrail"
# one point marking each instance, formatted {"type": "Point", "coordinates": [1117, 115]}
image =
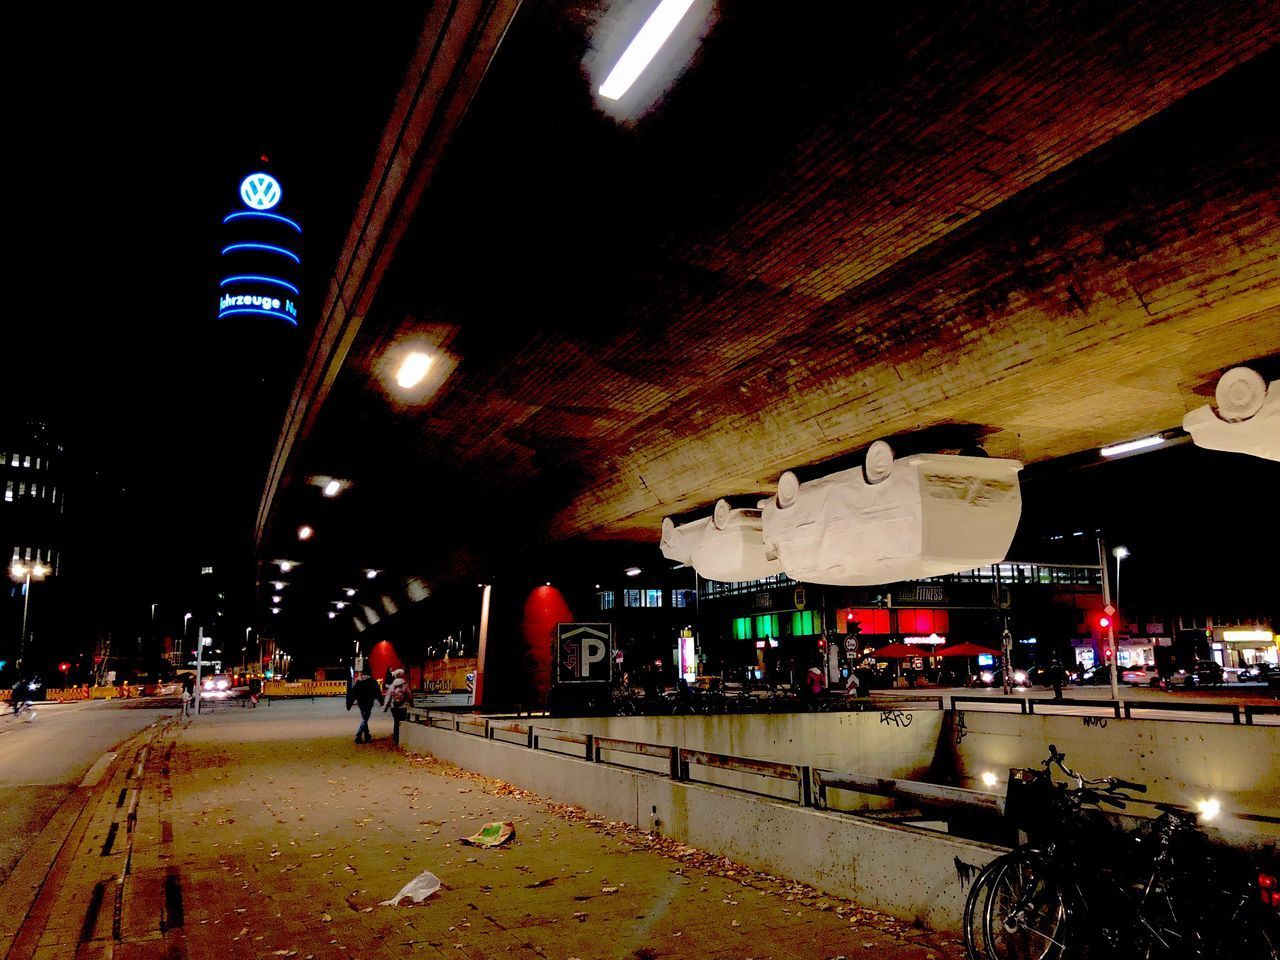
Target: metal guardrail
{"type": "Point", "coordinates": [1119, 709]}
{"type": "Point", "coordinates": [926, 794]}
{"type": "Point", "coordinates": [812, 783]}
{"type": "Point", "coordinates": [1252, 710]}
{"type": "Point", "coordinates": [762, 768]}
{"type": "Point", "coordinates": [636, 748]}
{"type": "Point", "coordinates": [1231, 708]}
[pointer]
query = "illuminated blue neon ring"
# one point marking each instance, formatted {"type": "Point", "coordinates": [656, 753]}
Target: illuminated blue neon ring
{"type": "Point", "coordinates": [262, 215]}
{"type": "Point", "coordinates": [292, 321]}
{"type": "Point", "coordinates": [270, 248]}
{"type": "Point", "coordinates": [251, 278]}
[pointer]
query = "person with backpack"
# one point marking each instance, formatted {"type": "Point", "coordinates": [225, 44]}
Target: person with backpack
{"type": "Point", "coordinates": [397, 698]}
{"type": "Point", "coordinates": [364, 694]}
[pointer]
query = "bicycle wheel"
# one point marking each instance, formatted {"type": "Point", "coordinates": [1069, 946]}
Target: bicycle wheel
{"type": "Point", "coordinates": [975, 905]}
{"type": "Point", "coordinates": [1025, 913]}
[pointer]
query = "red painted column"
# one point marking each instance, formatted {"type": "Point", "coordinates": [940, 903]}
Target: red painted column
{"type": "Point", "coordinates": [543, 609]}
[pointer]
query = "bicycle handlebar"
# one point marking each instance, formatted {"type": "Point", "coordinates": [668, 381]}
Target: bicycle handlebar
{"type": "Point", "coordinates": [1057, 758]}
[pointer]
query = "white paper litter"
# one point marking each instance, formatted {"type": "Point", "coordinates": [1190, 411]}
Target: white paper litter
{"type": "Point", "coordinates": [418, 889]}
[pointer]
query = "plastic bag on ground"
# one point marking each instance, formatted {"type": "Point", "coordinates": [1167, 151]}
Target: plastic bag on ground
{"type": "Point", "coordinates": [492, 834]}
{"type": "Point", "coordinates": [418, 889]}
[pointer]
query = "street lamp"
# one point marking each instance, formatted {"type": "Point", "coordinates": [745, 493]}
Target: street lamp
{"type": "Point", "coordinates": [1120, 553]}
{"type": "Point", "coordinates": [24, 573]}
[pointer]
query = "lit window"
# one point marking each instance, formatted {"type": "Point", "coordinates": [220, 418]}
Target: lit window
{"type": "Point", "coordinates": [767, 626]}
{"type": "Point", "coordinates": [742, 628]}
{"type": "Point", "coordinates": [653, 598]}
{"type": "Point", "coordinates": [22, 488]}
{"type": "Point", "coordinates": [804, 623]}
{"type": "Point", "coordinates": [8, 491]}
{"type": "Point", "coordinates": [37, 463]}
{"type": "Point", "coordinates": [606, 599]}
{"type": "Point", "coordinates": [683, 598]}
{"type": "Point", "coordinates": [26, 461]}
{"type": "Point", "coordinates": [631, 598]}
{"type": "Point", "coordinates": [14, 461]}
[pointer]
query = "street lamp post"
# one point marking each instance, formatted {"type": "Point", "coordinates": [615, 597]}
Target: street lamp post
{"type": "Point", "coordinates": [1111, 620]}
{"type": "Point", "coordinates": [24, 573]}
{"type": "Point", "coordinates": [1120, 553]}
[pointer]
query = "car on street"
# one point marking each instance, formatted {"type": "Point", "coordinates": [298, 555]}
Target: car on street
{"type": "Point", "coordinates": [1201, 673]}
{"type": "Point", "coordinates": [218, 684]}
{"type": "Point", "coordinates": [994, 677]}
{"type": "Point", "coordinates": [1140, 675]}
{"type": "Point", "coordinates": [1097, 674]}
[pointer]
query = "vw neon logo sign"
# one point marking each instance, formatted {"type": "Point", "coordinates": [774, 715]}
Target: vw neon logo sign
{"type": "Point", "coordinates": [261, 191]}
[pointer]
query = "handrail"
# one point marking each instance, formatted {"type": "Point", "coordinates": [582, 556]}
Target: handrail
{"type": "Point", "coordinates": [638, 748]}
{"type": "Point", "coordinates": [900, 698]}
{"type": "Point", "coordinates": [790, 772]}
{"type": "Point", "coordinates": [538, 734]}
{"type": "Point", "coordinates": [1020, 702]}
{"type": "Point", "coordinates": [1231, 708]}
{"type": "Point", "coordinates": [1113, 705]}
{"type": "Point", "coordinates": [928, 794]}
{"type": "Point", "coordinates": [1253, 709]}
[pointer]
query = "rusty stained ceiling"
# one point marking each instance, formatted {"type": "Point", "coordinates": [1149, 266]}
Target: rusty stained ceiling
{"type": "Point", "coordinates": [1045, 226]}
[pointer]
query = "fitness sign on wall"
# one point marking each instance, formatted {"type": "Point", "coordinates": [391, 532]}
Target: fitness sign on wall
{"type": "Point", "coordinates": [261, 255]}
{"type": "Point", "coordinates": [583, 653]}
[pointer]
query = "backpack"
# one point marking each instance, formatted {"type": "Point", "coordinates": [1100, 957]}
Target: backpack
{"type": "Point", "coordinates": [400, 694]}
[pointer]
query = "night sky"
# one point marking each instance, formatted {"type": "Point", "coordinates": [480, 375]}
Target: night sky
{"type": "Point", "coordinates": [136, 130]}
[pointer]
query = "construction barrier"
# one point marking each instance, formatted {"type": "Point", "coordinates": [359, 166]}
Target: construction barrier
{"type": "Point", "coordinates": [69, 693]}
{"type": "Point", "coordinates": [305, 688]}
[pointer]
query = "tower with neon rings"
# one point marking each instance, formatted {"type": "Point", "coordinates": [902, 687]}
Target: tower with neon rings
{"type": "Point", "coordinates": [261, 257]}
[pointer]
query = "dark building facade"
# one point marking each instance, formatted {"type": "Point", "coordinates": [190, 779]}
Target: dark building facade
{"type": "Point", "coordinates": [33, 497]}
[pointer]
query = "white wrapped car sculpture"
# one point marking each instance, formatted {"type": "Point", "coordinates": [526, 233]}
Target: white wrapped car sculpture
{"type": "Point", "coordinates": [727, 545]}
{"type": "Point", "coordinates": [922, 516]}
{"type": "Point", "coordinates": [1248, 417]}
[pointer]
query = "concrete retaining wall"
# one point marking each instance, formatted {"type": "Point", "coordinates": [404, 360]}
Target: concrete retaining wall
{"type": "Point", "coordinates": [909, 873]}
{"type": "Point", "coordinates": [1180, 762]}
{"type": "Point", "coordinates": [892, 744]}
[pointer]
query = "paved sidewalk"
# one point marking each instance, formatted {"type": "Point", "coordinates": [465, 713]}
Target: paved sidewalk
{"type": "Point", "coordinates": [269, 834]}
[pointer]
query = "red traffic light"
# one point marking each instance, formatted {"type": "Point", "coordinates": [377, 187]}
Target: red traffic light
{"type": "Point", "coordinates": [1104, 621]}
{"type": "Point", "coordinates": [64, 666]}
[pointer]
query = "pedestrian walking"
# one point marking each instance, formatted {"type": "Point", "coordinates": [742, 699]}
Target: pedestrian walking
{"type": "Point", "coordinates": [1056, 675]}
{"type": "Point", "coordinates": [188, 693]}
{"type": "Point", "coordinates": [397, 699]}
{"type": "Point", "coordinates": [364, 694]}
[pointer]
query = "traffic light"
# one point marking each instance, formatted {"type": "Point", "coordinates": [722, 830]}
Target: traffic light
{"type": "Point", "coordinates": [64, 666]}
{"type": "Point", "coordinates": [1104, 621]}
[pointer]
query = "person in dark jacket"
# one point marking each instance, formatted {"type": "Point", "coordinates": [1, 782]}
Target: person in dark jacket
{"type": "Point", "coordinates": [364, 694]}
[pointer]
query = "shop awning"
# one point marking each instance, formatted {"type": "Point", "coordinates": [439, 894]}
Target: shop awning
{"type": "Point", "coordinates": [900, 651]}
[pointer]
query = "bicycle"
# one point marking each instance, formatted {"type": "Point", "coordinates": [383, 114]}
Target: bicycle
{"type": "Point", "coordinates": [1078, 887]}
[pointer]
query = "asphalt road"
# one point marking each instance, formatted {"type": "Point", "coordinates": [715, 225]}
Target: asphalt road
{"type": "Point", "coordinates": [42, 761]}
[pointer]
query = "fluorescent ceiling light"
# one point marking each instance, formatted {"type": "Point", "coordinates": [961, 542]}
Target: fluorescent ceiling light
{"type": "Point", "coordinates": [1132, 445]}
{"type": "Point", "coordinates": [633, 571]}
{"type": "Point", "coordinates": [413, 369]}
{"type": "Point", "coordinates": [644, 47]}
